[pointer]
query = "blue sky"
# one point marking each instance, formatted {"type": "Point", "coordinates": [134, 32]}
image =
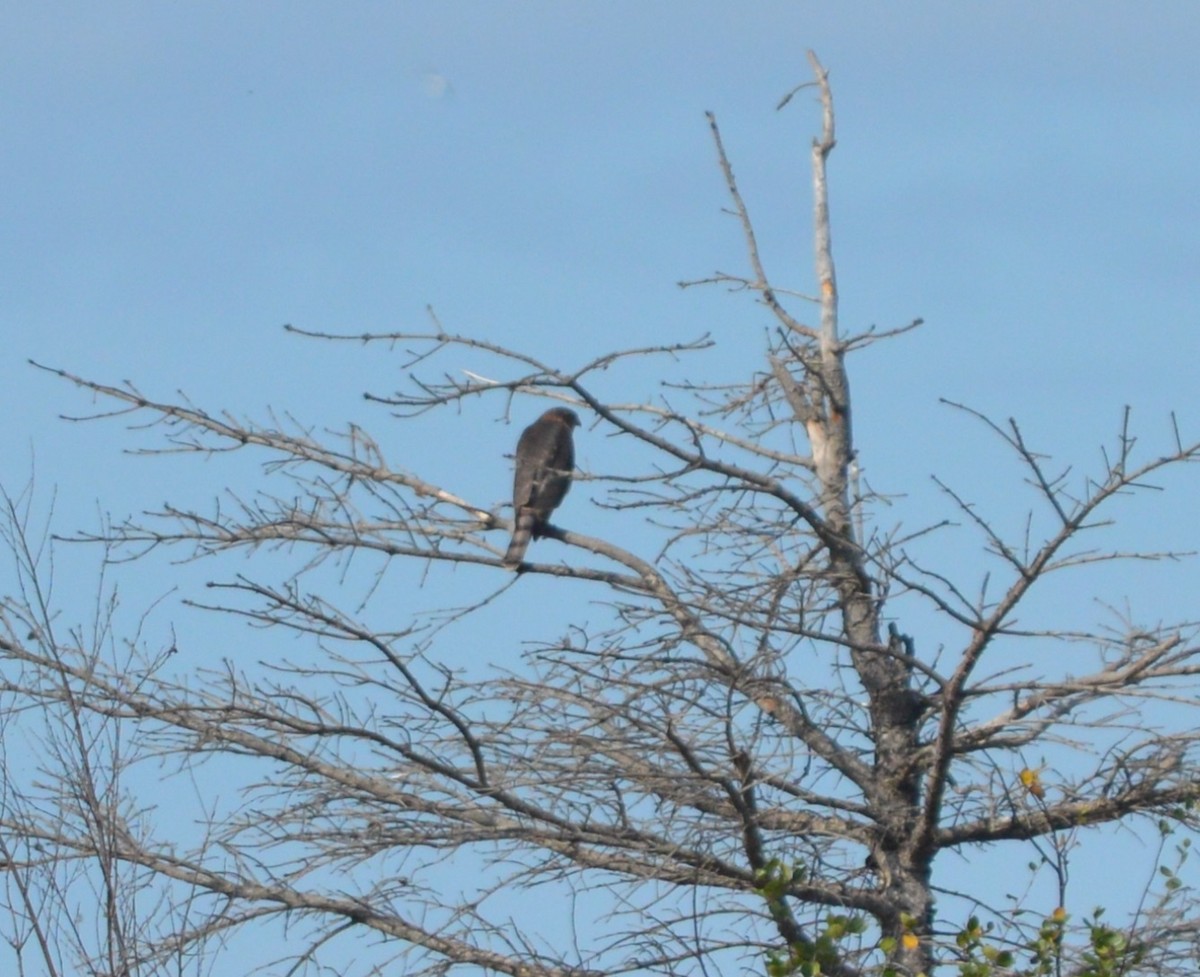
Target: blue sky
{"type": "Point", "coordinates": [179, 180]}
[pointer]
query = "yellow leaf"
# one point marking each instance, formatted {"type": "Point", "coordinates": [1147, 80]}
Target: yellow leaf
{"type": "Point", "coordinates": [910, 941]}
{"type": "Point", "coordinates": [1032, 782]}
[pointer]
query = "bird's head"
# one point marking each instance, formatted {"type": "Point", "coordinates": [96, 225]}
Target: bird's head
{"type": "Point", "coordinates": [564, 416]}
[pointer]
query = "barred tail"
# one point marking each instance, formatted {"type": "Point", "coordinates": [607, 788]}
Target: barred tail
{"type": "Point", "coordinates": [521, 536]}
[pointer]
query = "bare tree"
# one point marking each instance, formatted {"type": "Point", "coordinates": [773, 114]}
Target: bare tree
{"type": "Point", "coordinates": [749, 762]}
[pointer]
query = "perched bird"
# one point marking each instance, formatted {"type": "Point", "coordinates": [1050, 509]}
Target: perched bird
{"type": "Point", "coordinates": [545, 461]}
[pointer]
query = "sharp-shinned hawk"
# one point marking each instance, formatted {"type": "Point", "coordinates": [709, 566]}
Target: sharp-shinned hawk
{"type": "Point", "coordinates": [545, 462]}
